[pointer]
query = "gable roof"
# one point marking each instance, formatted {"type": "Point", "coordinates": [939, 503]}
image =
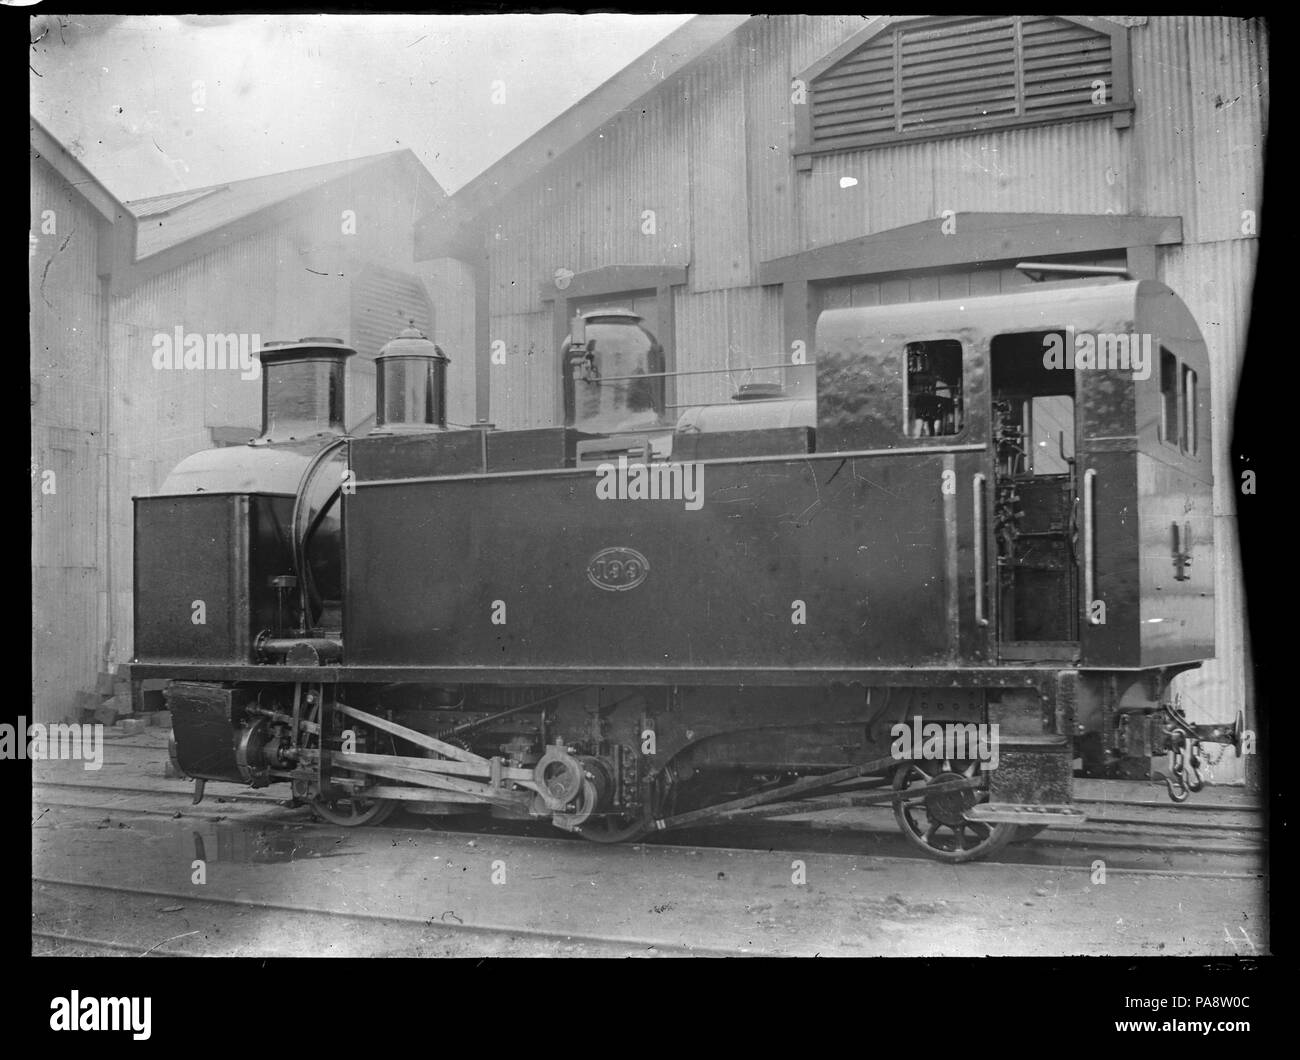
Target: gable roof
{"type": "Point", "coordinates": [173, 219]}
{"type": "Point", "coordinates": [153, 234]}
{"type": "Point", "coordinates": [669, 57]}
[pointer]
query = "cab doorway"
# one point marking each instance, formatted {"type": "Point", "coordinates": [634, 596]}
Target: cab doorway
{"type": "Point", "coordinates": [1035, 509]}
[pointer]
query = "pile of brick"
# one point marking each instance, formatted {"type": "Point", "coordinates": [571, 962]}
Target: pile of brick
{"type": "Point", "coordinates": [115, 702]}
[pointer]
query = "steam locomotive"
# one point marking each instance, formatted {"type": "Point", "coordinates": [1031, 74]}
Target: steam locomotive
{"type": "Point", "coordinates": [983, 523]}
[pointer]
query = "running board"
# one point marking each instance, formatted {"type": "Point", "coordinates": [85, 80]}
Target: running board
{"type": "Point", "coordinates": [1025, 813]}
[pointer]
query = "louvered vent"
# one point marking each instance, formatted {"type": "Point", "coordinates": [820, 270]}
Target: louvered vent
{"type": "Point", "coordinates": [856, 96]}
{"type": "Point", "coordinates": [957, 72]}
{"type": "Point", "coordinates": [384, 301]}
{"type": "Point", "coordinates": [960, 73]}
{"type": "Point", "coordinates": [1061, 62]}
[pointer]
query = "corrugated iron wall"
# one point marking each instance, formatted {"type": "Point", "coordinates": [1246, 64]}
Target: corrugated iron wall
{"type": "Point", "coordinates": [733, 329]}
{"type": "Point", "coordinates": [719, 173]}
{"type": "Point", "coordinates": [1201, 86]}
{"type": "Point", "coordinates": [524, 391]}
{"type": "Point", "coordinates": [591, 209]}
{"type": "Point", "coordinates": [69, 601]}
{"type": "Point", "coordinates": [776, 50]}
{"type": "Point", "coordinates": [451, 286]}
{"type": "Point", "coordinates": [1227, 59]}
{"type": "Point", "coordinates": [1015, 171]}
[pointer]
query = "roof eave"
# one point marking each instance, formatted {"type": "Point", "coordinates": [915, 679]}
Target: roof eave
{"type": "Point", "coordinates": [139, 269]}
{"type": "Point", "coordinates": [47, 146]}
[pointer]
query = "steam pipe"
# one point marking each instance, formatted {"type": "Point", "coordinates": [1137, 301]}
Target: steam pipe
{"type": "Point", "coordinates": [299, 651]}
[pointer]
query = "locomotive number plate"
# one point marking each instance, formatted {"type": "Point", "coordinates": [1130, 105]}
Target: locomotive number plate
{"type": "Point", "coordinates": [617, 569]}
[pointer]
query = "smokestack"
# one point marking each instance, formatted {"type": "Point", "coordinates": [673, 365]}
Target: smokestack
{"type": "Point", "coordinates": [302, 388]}
{"type": "Point", "coordinates": [411, 385]}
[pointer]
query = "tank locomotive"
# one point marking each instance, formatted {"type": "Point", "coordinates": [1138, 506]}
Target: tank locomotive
{"type": "Point", "coordinates": [948, 564]}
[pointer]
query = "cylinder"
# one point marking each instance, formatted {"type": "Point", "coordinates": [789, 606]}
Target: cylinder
{"type": "Point", "coordinates": [303, 388]}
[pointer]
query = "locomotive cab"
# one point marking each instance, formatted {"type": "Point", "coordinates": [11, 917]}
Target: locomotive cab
{"type": "Point", "coordinates": [1086, 405]}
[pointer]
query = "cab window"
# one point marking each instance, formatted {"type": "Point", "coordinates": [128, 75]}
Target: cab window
{"type": "Point", "coordinates": [1178, 426]}
{"type": "Point", "coordinates": [933, 391]}
{"type": "Point", "coordinates": [1168, 397]}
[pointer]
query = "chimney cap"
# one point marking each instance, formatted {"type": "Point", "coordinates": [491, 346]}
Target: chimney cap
{"type": "Point", "coordinates": [613, 311]}
{"type": "Point", "coordinates": [304, 350]}
{"type": "Point", "coordinates": [411, 342]}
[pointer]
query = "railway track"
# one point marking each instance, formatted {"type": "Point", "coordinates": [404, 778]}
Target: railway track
{"type": "Point", "coordinates": [324, 922]}
{"type": "Point", "coordinates": [270, 800]}
{"type": "Point", "coordinates": [80, 943]}
{"type": "Point", "coordinates": [281, 882]}
{"type": "Point", "coordinates": [1230, 833]}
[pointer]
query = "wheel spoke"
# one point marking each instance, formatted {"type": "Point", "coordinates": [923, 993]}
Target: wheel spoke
{"type": "Point", "coordinates": [926, 810]}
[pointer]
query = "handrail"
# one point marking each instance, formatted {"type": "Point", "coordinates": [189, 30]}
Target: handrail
{"type": "Point", "coordinates": [1089, 544]}
{"type": "Point", "coordinates": [978, 504]}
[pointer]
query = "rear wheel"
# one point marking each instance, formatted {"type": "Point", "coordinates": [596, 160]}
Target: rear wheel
{"type": "Point", "coordinates": [614, 828]}
{"type": "Point", "coordinates": [349, 810]}
{"type": "Point", "coordinates": [933, 816]}
{"type": "Point", "coordinates": [353, 811]}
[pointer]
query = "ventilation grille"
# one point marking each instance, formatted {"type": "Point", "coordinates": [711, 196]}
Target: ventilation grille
{"type": "Point", "coordinates": [959, 73]}
{"type": "Point", "coordinates": [1061, 61]}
